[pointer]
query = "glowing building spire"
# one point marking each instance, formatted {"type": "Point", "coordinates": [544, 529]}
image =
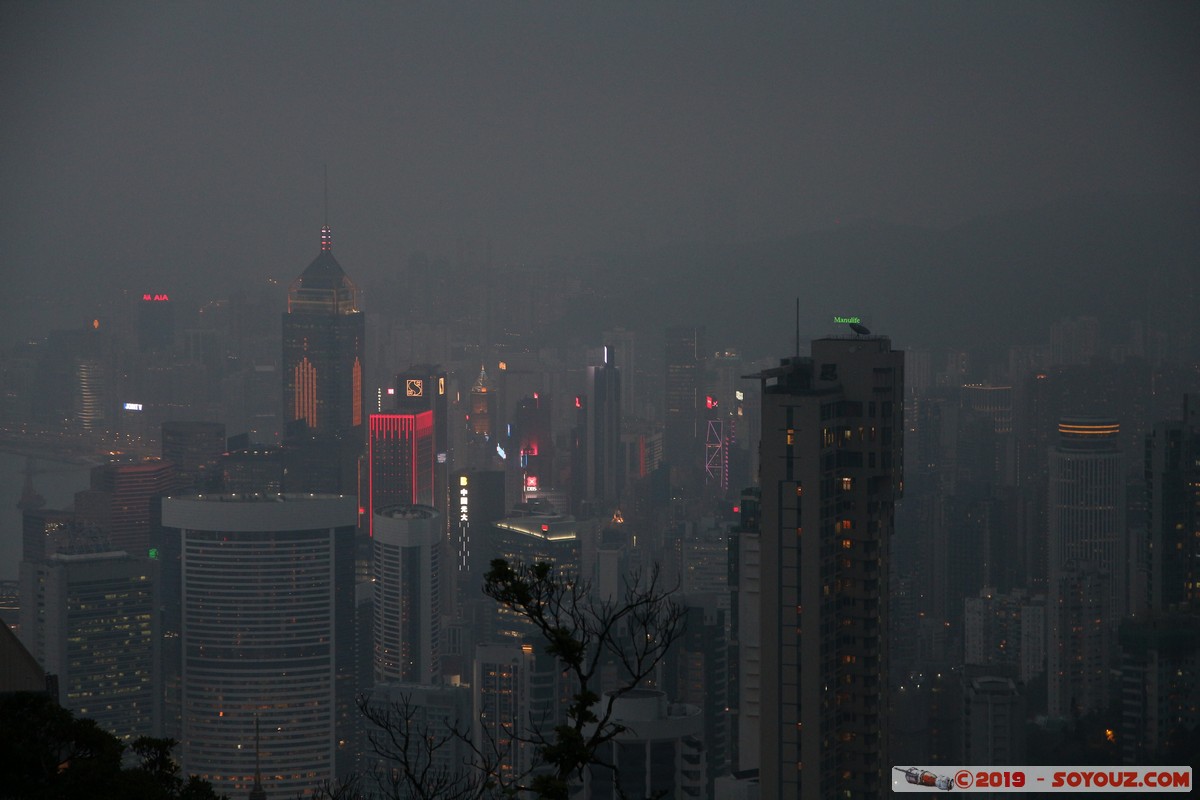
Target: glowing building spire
{"type": "Point", "coordinates": [326, 238]}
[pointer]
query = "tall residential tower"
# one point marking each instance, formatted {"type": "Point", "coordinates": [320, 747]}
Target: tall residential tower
{"type": "Point", "coordinates": [832, 470]}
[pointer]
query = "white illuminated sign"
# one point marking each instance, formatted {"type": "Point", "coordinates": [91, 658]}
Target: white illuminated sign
{"type": "Point", "coordinates": [133, 406]}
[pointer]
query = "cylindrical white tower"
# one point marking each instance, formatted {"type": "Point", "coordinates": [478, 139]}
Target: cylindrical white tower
{"type": "Point", "coordinates": [407, 612]}
{"type": "Point", "coordinates": [258, 598]}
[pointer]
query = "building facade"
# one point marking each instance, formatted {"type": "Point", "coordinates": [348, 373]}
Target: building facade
{"type": "Point", "coordinates": [831, 472]}
{"type": "Point", "coordinates": [407, 573]}
{"type": "Point", "coordinates": [324, 333]}
{"type": "Point", "coordinates": [264, 579]}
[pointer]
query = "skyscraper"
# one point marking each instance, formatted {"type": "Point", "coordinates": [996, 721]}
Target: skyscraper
{"type": "Point", "coordinates": [1087, 547]}
{"type": "Point", "coordinates": [402, 460]}
{"type": "Point", "coordinates": [832, 470]}
{"type": "Point", "coordinates": [1173, 483]}
{"type": "Point", "coordinates": [684, 363]}
{"type": "Point", "coordinates": [267, 606]}
{"type": "Point", "coordinates": [407, 570]}
{"type": "Point", "coordinates": [123, 501]}
{"type": "Point", "coordinates": [92, 620]}
{"type": "Point", "coordinates": [604, 463]}
{"type": "Point", "coordinates": [195, 448]}
{"type": "Point", "coordinates": [323, 349]}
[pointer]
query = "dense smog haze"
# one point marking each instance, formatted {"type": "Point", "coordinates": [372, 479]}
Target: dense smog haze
{"type": "Point", "coordinates": [359, 362]}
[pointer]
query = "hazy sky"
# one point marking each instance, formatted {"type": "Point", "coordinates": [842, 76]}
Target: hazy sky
{"type": "Point", "coordinates": [142, 142]}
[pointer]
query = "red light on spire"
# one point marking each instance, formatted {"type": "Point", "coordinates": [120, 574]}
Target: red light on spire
{"type": "Point", "coordinates": [326, 238]}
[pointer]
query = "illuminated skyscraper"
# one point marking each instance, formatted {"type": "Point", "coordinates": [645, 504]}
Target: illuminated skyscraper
{"type": "Point", "coordinates": [402, 460]}
{"type": "Point", "coordinates": [323, 349]}
{"type": "Point", "coordinates": [832, 470]}
{"type": "Point", "coordinates": [481, 406]}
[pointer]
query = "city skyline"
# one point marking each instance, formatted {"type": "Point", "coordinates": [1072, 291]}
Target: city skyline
{"type": "Point", "coordinates": [861, 339]}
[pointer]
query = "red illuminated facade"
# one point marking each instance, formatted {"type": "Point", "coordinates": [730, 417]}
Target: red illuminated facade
{"type": "Point", "coordinates": [403, 460]}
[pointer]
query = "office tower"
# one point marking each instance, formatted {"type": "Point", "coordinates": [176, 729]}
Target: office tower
{"type": "Point", "coordinates": [1087, 561]}
{"type": "Point", "coordinates": [832, 470]}
{"type": "Point", "coordinates": [91, 403]}
{"type": "Point", "coordinates": [659, 752]}
{"type": "Point", "coordinates": [684, 366]}
{"type": "Point", "coordinates": [251, 469]}
{"type": "Point", "coordinates": [402, 460]}
{"type": "Point", "coordinates": [267, 631]}
{"type": "Point", "coordinates": [476, 502]}
{"type": "Point", "coordinates": [323, 347]}
{"type": "Point", "coordinates": [536, 538]}
{"type": "Point", "coordinates": [422, 387]}
{"type": "Point", "coordinates": [480, 423]}
{"type": "Point", "coordinates": [406, 541]}
{"type": "Point", "coordinates": [124, 501]}
{"type": "Point", "coordinates": [993, 721]}
{"type": "Point", "coordinates": [195, 448]}
{"type": "Point", "coordinates": [604, 464]}
{"type": "Point", "coordinates": [623, 345]}
{"type": "Point", "coordinates": [92, 620]}
{"type": "Point", "coordinates": [1173, 485]}
{"type": "Point", "coordinates": [155, 323]}
{"type": "Point", "coordinates": [534, 443]}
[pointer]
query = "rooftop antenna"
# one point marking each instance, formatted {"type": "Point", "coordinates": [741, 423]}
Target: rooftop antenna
{"type": "Point", "coordinates": [326, 233]}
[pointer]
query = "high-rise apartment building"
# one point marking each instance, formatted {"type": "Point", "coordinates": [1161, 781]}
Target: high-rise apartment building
{"type": "Point", "coordinates": [407, 571]}
{"type": "Point", "coordinates": [323, 349]}
{"type": "Point", "coordinates": [831, 472]}
{"type": "Point", "coordinates": [267, 606]}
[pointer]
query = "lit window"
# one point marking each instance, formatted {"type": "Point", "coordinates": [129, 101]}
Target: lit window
{"type": "Point", "coordinates": [791, 436]}
{"type": "Point", "coordinates": [847, 484]}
